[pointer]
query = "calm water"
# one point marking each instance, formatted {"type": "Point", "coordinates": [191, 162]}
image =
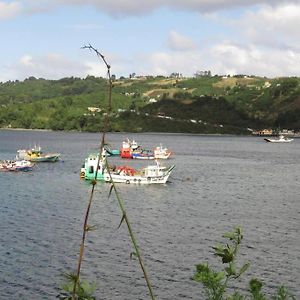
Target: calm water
{"type": "Point", "coordinates": [218, 183]}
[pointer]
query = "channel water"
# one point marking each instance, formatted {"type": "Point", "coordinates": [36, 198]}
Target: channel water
{"type": "Point", "coordinates": [219, 182]}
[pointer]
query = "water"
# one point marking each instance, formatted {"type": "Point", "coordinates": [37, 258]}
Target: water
{"type": "Point", "coordinates": [218, 183]}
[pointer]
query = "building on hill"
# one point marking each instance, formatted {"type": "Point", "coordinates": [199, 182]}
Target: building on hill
{"type": "Point", "coordinates": [263, 132]}
{"type": "Point", "coordinates": [94, 109]}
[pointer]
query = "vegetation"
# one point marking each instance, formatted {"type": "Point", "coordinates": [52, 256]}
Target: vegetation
{"type": "Point", "coordinates": [75, 288]}
{"type": "Point", "coordinates": [196, 105]}
{"type": "Point", "coordinates": [217, 283]}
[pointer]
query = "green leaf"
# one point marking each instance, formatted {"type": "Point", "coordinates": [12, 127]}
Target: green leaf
{"type": "Point", "coordinates": [91, 227]}
{"type": "Point", "coordinates": [243, 269]}
{"type": "Point", "coordinates": [230, 235]}
{"type": "Point", "coordinates": [123, 218]}
{"type": "Point", "coordinates": [133, 254]}
{"type": "Point", "coordinates": [110, 190]}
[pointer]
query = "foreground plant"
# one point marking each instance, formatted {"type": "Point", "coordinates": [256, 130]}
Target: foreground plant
{"type": "Point", "coordinates": [84, 290]}
{"type": "Point", "coordinates": [216, 283]}
{"type": "Point", "coordinates": [75, 289]}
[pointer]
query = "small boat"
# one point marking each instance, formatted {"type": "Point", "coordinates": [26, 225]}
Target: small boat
{"type": "Point", "coordinates": [161, 153]}
{"type": "Point", "coordinates": [16, 165]}
{"type": "Point", "coordinates": [124, 174]}
{"type": "Point", "coordinates": [111, 152]}
{"type": "Point", "coordinates": [280, 139]}
{"type": "Point", "coordinates": [143, 154]}
{"type": "Point", "coordinates": [36, 155]}
{"type": "Point", "coordinates": [128, 147]}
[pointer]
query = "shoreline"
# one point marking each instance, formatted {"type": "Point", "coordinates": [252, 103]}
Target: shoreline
{"type": "Point", "coordinates": [124, 132]}
{"type": "Point", "coordinates": [147, 132]}
{"type": "Point", "coordinates": [25, 129]}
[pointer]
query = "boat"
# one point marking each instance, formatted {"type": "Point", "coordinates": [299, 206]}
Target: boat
{"type": "Point", "coordinates": [111, 152]}
{"type": "Point", "coordinates": [143, 154]}
{"type": "Point", "coordinates": [16, 165]}
{"type": "Point", "coordinates": [128, 147]}
{"type": "Point", "coordinates": [161, 153]}
{"type": "Point", "coordinates": [95, 168]}
{"type": "Point", "coordinates": [152, 174]}
{"type": "Point", "coordinates": [280, 139]}
{"type": "Point", "coordinates": [36, 155]}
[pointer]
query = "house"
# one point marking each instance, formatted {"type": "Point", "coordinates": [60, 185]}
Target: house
{"type": "Point", "coordinates": [263, 132]}
{"type": "Point", "coordinates": [94, 109]}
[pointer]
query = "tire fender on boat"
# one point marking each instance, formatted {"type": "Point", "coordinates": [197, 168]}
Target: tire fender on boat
{"type": "Point", "coordinates": [127, 181]}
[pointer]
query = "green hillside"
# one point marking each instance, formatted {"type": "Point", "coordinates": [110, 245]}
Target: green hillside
{"type": "Point", "coordinates": [197, 105]}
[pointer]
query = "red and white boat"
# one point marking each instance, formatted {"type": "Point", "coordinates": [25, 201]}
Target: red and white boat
{"type": "Point", "coordinates": [161, 153]}
{"type": "Point", "coordinates": [128, 147]}
{"type": "Point", "coordinates": [16, 165]}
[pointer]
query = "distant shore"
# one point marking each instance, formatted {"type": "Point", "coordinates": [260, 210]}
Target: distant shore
{"type": "Point", "coordinates": [24, 129]}
{"type": "Point", "coordinates": [296, 135]}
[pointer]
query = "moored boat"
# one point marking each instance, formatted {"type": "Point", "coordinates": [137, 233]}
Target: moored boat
{"type": "Point", "coordinates": [16, 165]}
{"type": "Point", "coordinates": [280, 139]}
{"type": "Point", "coordinates": [36, 155]}
{"type": "Point", "coordinates": [143, 154]}
{"type": "Point", "coordinates": [161, 153]}
{"type": "Point", "coordinates": [127, 148]}
{"type": "Point", "coordinates": [111, 152]}
{"type": "Point", "coordinates": [95, 168]}
{"type": "Point", "coordinates": [152, 174]}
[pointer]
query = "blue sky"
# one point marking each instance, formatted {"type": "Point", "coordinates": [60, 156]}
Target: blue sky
{"type": "Point", "coordinates": [42, 38]}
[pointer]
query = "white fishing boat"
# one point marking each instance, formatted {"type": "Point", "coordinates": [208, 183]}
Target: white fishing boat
{"type": "Point", "coordinates": [161, 153]}
{"type": "Point", "coordinates": [96, 168]}
{"type": "Point", "coordinates": [280, 139]}
{"type": "Point", "coordinates": [148, 175]}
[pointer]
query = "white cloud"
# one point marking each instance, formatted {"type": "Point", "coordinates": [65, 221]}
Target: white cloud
{"type": "Point", "coordinates": [56, 66]}
{"type": "Point", "coordinates": [9, 10]}
{"type": "Point", "coordinates": [26, 60]}
{"type": "Point", "coordinates": [179, 42]}
{"type": "Point", "coordinates": [131, 8]}
{"type": "Point", "coordinates": [50, 66]}
{"type": "Point", "coordinates": [229, 58]}
{"type": "Point", "coordinates": [264, 41]}
{"type": "Point", "coordinates": [273, 26]}
{"type": "Point", "coordinates": [163, 63]}
{"type": "Point", "coordinates": [223, 58]}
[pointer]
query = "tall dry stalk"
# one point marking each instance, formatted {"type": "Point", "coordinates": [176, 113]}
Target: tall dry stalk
{"type": "Point", "coordinates": [86, 228]}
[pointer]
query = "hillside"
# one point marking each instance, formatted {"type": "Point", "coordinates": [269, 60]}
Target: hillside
{"type": "Point", "coordinates": [197, 105]}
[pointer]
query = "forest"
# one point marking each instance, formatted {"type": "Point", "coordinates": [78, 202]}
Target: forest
{"type": "Point", "coordinates": [204, 104]}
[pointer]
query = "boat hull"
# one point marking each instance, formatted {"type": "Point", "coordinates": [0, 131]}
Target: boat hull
{"type": "Point", "coordinates": [142, 156]}
{"type": "Point", "coordinates": [136, 179]}
{"type": "Point", "coordinates": [16, 166]}
{"type": "Point", "coordinates": [46, 158]}
{"type": "Point", "coordinates": [36, 155]}
{"type": "Point", "coordinates": [278, 141]}
{"type": "Point", "coordinates": [139, 179]}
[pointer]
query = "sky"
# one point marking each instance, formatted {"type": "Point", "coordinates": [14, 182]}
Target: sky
{"type": "Point", "coordinates": [44, 38]}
